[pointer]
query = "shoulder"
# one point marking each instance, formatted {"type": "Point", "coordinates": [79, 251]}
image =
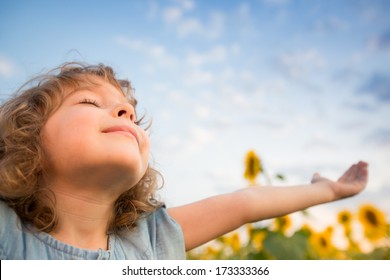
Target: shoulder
{"type": "Point", "coordinates": [10, 228]}
{"type": "Point", "coordinates": [165, 234]}
{"type": "Point", "coordinates": [160, 222]}
{"type": "Point", "coordinates": [8, 218]}
{"type": "Point", "coordinates": [161, 218]}
{"type": "Point", "coordinates": [157, 236]}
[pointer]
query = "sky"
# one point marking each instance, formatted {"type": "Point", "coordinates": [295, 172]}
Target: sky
{"type": "Point", "coordinates": [306, 84]}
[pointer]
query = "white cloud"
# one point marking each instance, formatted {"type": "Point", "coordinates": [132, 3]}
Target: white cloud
{"type": "Point", "coordinates": [243, 10]}
{"type": "Point", "coordinates": [201, 135]}
{"type": "Point", "coordinates": [275, 85]}
{"type": "Point", "coordinates": [198, 77]}
{"type": "Point", "coordinates": [216, 54]}
{"type": "Point", "coordinates": [172, 14]}
{"type": "Point", "coordinates": [202, 111]}
{"type": "Point", "coordinates": [299, 64]}
{"type": "Point", "coordinates": [186, 25]}
{"type": "Point", "coordinates": [186, 4]}
{"type": "Point", "coordinates": [194, 141]}
{"type": "Point", "coordinates": [7, 67]}
{"type": "Point", "coordinates": [189, 26]}
{"type": "Point", "coordinates": [158, 53]}
{"type": "Point", "coordinates": [216, 26]}
{"type": "Point", "coordinates": [184, 144]}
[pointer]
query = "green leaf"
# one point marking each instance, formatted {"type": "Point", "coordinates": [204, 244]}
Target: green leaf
{"type": "Point", "coordinates": [382, 253]}
{"type": "Point", "coordinates": [286, 248]}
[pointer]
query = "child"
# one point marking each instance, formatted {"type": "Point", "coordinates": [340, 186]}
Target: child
{"type": "Point", "coordinates": [75, 182]}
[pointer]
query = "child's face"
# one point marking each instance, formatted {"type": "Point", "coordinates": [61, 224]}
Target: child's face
{"type": "Point", "coordinates": [92, 137]}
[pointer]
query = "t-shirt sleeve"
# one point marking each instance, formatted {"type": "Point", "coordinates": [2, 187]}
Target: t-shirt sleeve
{"type": "Point", "coordinates": [166, 235]}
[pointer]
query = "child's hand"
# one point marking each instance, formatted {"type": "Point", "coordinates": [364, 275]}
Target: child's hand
{"type": "Point", "coordinates": [352, 182]}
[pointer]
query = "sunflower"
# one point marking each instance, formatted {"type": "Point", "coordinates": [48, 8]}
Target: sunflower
{"type": "Point", "coordinates": [322, 242]}
{"type": "Point", "coordinates": [210, 253]}
{"type": "Point", "coordinates": [257, 240]}
{"type": "Point", "coordinates": [373, 222]}
{"type": "Point", "coordinates": [233, 241]}
{"type": "Point", "coordinates": [283, 223]}
{"type": "Point", "coordinates": [253, 167]}
{"type": "Point", "coordinates": [345, 219]}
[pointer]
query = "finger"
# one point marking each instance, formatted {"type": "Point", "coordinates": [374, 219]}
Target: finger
{"type": "Point", "coordinates": [348, 174]}
{"type": "Point", "coordinates": [357, 172]}
{"type": "Point", "coordinates": [316, 177]}
{"type": "Point", "coordinates": [360, 171]}
{"type": "Point", "coordinates": [363, 171]}
{"type": "Point", "coordinates": [354, 172]}
{"type": "Point", "coordinates": [363, 164]}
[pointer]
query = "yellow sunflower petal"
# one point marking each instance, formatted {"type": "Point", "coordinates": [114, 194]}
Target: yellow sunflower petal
{"type": "Point", "coordinates": [373, 221]}
{"type": "Point", "coordinates": [252, 166]}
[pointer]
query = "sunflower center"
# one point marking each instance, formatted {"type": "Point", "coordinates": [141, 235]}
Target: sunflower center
{"type": "Point", "coordinates": [253, 166]}
{"type": "Point", "coordinates": [323, 242]}
{"type": "Point", "coordinates": [371, 217]}
{"type": "Point", "coordinates": [344, 218]}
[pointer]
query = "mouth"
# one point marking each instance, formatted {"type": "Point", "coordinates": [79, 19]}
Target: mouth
{"type": "Point", "coordinates": [124, 130]}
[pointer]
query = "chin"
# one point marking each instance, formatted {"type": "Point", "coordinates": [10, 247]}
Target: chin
{"type": "Point", "coordinates": [134, 171]}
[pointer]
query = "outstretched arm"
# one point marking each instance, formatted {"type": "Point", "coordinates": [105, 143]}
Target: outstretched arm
{"type": "Point", "coordinates": [207, 219]}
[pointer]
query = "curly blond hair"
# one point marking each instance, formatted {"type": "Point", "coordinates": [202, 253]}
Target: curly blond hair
{"type": "Point", "coordinates": [22, 157]}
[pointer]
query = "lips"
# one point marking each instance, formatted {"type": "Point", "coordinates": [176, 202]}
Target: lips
{"type": "Point", "coordinates": [125, 130]}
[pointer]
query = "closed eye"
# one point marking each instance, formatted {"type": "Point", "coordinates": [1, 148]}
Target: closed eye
{"type": "Point", "coordinates": [90, 101]}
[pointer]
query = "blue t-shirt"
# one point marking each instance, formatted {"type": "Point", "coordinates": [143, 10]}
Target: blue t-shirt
{"type": "Point", "coordinates": [157, 236]}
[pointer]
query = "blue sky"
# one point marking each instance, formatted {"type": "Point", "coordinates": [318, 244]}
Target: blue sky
{"type": "Point", "coordinates": [306, 84]}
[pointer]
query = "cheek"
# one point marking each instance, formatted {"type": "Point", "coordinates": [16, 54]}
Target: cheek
{"type": "Point", "coordinates": [145, 148]}
{"type": "Point", "coordinates": [63, 135]}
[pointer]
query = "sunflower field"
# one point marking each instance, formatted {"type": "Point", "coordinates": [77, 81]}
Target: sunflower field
{"type": "Point", "coordinates": [365, 233]}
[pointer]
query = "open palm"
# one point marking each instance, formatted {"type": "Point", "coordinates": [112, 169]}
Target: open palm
{"type": "Point", "coordinates": [353, 181]}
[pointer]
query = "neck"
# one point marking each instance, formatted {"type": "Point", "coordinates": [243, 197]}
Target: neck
{"type": "Point", "coordinates": [83, 218]}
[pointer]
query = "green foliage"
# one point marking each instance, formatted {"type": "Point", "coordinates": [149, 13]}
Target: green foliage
{"type": "Point", "coordinates": [286, 248]}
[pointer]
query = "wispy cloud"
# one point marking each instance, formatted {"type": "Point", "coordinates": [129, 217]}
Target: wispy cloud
{"type": "Point", "coordinates": [156, 52]}
{"type": "Point", "coordinates": [298, 65]}
{"type": "Point", "coordinates": [172, 14]}
{"type": "Point", "coordinates": [7, 67]}
{"type": "Point", "coordinates": [185, 144]}
{"type": "Point", "coordinates": [332, 24]}
{"type": "Point", "coordinates": [211, 29]}
{"type": "Point", "coordinates": [197, 77]}
{"type": "Point", "coordinates": [216, 54]}
{"type": "Point", "coordinates": [185, 23]}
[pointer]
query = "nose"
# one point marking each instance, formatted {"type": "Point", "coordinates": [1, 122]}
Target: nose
{"type": "Point", "coordinates": [125, 110]}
